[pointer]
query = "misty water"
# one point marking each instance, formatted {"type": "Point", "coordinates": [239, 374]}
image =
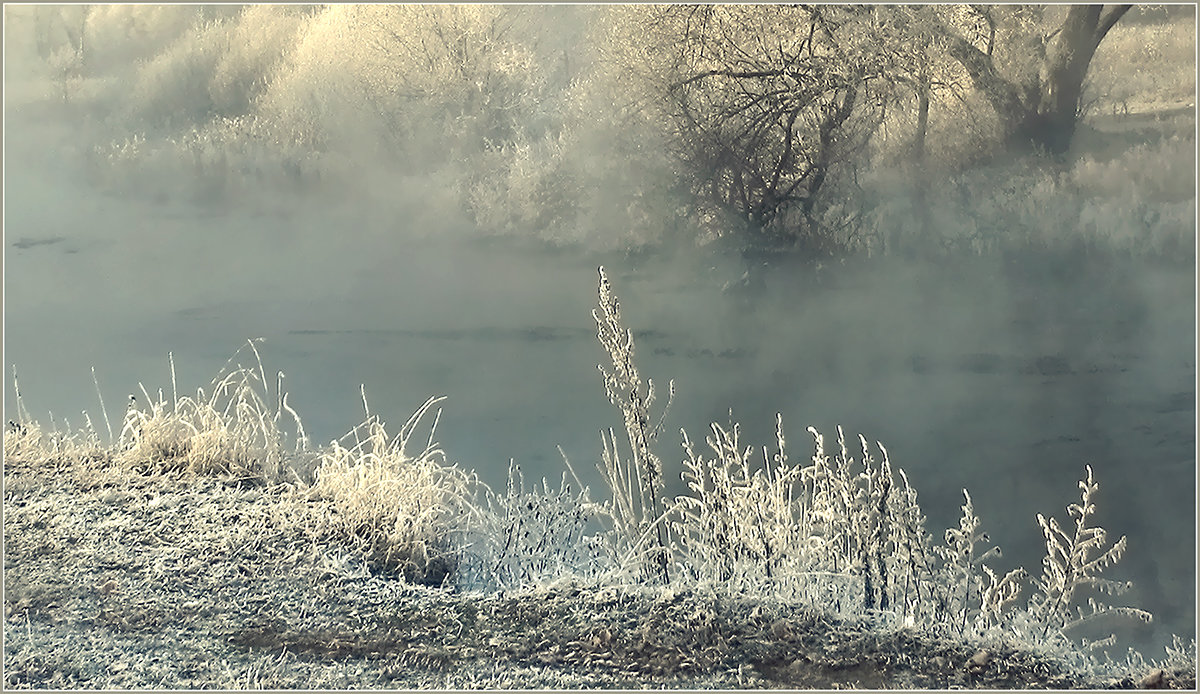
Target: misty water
{"type": "Point", "coordinates": [1001, 375]}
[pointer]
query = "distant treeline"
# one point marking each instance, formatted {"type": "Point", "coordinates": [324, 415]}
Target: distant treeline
{"type": "Point", "coordinates": [804, 127]}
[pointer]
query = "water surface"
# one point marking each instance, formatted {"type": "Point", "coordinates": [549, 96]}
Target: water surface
{"type": "Point", "coordinates": [1002, 375]}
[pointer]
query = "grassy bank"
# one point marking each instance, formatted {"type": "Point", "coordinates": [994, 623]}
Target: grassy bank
{"type": "Point", "coordinates": [208, 523]}
{"type": "Point", "coordinates": [170, 580]}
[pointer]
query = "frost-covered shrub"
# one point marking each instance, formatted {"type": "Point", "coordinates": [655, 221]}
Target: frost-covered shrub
{"type": "Point", "coordinates": [1158, 172]}
{"type": "Point", "coordinates": [523, 187]}
{"type": "Point", "coordinates": [428, 84]}
{"type": "Point", "coordinates": [118, 36]}
{"type": "Point", "coordinates": [530, 537]}
{"type": "Point", "coordinates": [315, 92]}
{"type": "Point", "coordinates": [1041, 205]}
{"type": "Point", "coordinates": [171, 90]}
{"type": "Point", "coordinates": [259, 40]}
{"type": "Point", "coordinates": [492, 114]}
{"type": "Point", "coordinates": [229, 159]}
{"type": "Point", "coordinates": [840, 535]}
{"type": "Point", "coordinates": [218, 68]}
{"type": "Point", "coordinates": [594, 171]}
{"type": "Point", "coordinates": [1161, 54]}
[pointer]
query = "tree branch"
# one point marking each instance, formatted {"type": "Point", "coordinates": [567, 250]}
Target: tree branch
{"type": "Point", "coordinates": [1108, 20]}
{"type": "Point", "coordinates": [1000, 93]}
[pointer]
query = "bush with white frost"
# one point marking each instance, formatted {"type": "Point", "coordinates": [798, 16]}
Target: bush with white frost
{"type": "Point", "coordinates": [842, 535]}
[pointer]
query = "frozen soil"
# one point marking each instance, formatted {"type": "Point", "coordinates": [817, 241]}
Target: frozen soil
{"type": "Point", "coordinates": [119, 580]}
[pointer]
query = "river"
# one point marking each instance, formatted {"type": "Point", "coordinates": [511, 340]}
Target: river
{"type": "Point", "coordinates": [1001, 375]}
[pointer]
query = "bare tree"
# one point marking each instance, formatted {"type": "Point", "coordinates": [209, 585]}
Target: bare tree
{"type": "Point", "coordinates": [1039, 106]}
{"type": "Point", "coordinates": [763, 105]}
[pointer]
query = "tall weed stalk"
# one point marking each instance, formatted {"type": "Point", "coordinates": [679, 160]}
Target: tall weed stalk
{"type": "Point", "coordinates": [636, 480]}
{"type": "Point", "coordinates": [1075, 560]}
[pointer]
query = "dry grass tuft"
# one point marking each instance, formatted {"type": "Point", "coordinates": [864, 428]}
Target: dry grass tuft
{"type": "Point", "coordinates": [233, 430]}
{"type": "Point", "coordinates": [406, 513]}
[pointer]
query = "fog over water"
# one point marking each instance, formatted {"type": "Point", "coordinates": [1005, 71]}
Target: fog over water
{"type": "Point", "coordinates": [1003, 375]}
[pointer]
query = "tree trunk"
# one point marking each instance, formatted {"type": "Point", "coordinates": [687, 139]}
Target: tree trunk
{"type": "Point", "coordinates": [1065, 69]}
{"type": "Point", "coordinates": [920, 174]}
{"type": "Point", "coordinates": [922, 116]}
{"type": "Point", "coordinates": [1046, 119]}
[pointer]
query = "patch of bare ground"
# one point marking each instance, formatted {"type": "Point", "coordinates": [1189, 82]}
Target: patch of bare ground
{"type": "Point", "coordinates": [115, 579]}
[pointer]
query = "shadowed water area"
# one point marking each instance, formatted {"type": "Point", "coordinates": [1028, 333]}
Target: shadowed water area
{"type": "Point", "coordinates": [1003, 375]}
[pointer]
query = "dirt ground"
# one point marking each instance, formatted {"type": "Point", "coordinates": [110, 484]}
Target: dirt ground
{"type": "Point", "coordinates": [119, 580]}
